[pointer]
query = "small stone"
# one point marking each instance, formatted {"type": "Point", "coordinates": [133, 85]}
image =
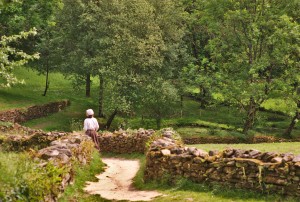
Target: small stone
{"type": "Point", "coordinates": [165, 152]}
{"type": "Point", "coordinates": [213, 152]}
{"type": "Point", "coordinates": [296, 159]}
{"type": "Point", "coordinates": [276, 160]}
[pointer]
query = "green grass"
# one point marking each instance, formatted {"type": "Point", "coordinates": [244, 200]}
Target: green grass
{"type": "Point", "coordinates": [217, 120]}
{"type": "Point", "coordinates": [60, 88]}
{"type": "Point", "coordinates": [279, 105]}
{"type": "Point", "coordinates": [83, 174]}
{"type": "Point", "coordinates": [189, 132]}
{"type": "Point", "coordinates": [228, 118]}
{"type": "Point", "coordinates": [283, 147]}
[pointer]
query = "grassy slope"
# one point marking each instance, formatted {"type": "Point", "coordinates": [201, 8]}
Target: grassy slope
{"type": "Point", "coordinates": [223, 117]}
{"type": "Point", "coordinates": [60, 88]}
{"type": "Point", "coordinates": [216, 118]}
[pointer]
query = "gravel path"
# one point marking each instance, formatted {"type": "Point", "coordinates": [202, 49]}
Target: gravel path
{"type": "Point", "coordinates": [116, 182]}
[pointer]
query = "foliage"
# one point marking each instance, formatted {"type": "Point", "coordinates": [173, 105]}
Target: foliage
{"type": "Point", "coordinates": [127, 44]}
{"type": "Point", "coordinates": [246, 51]}
{"type": "Point", "coordinates": [24, 180]}
{"type": "Point", "coordinates": [12, 58]}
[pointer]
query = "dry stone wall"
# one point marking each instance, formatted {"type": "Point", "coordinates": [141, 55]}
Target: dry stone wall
{"type": "Point", "coordinates": [20, 138]}
{"type": "Point", "coordinates": [123, 142]}
{"type": "Point", "coordinates": [59, 149]}
{"type": "Point", "coordinates": [23, 115]}
{"type": "Point", "coordinates": [65, 153]}
{"type": "Point", "coordinates": [251, 169]}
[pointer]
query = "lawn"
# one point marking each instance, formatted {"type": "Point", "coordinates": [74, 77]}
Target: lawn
{"type": "Point", "coordinates": [60, 88]}
{"type": "Point", "coordinates": [283, 147]}
{"type": "Point", "coordinates": [217, 120]}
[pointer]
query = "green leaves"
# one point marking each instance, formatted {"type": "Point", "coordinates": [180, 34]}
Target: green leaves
{"type": "Point", "coordinates": [12, 58]}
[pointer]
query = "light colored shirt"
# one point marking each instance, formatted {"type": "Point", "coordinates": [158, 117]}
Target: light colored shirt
{"type": "Point", "coordinates": [90, 124]}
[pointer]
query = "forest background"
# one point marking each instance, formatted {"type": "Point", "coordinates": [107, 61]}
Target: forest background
{"type": "Point", "coordinates": [176, 63]}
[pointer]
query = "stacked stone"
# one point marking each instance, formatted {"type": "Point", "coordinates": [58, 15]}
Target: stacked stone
{"type": "Point", "coordinates": [122, 142]}
{"type": "Point", "coordinates": [23, 115]}
{"type": "Point", "coordinates": [64, 153]}
{"type": "Point", "coordinates": [60, 151]}
{"type": "Point", "coordinates": [267, 171]}
{"type": "Point", "coordinates": [24, 139]}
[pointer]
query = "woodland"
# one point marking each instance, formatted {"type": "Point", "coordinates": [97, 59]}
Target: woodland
{"type": "Point", "coordinates": [207, 68]}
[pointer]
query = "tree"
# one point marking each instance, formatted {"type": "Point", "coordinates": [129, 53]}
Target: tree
{"type": "Point", "coordinates": [251, 46]}
{"type": "Point", "coordinates": [74, 43]}
{"type": "Point", "coordinates": [199, 72]}
{"type": "Point", "coordinates": [12, 58]}
{"type": "Point", "coordinates": [22, 15]}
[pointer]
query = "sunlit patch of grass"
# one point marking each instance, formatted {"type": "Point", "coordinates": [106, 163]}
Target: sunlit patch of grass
{"type": "Point", "coordinates": [283, 147]}
{"type": "Point", "coordinates": [60, 88]}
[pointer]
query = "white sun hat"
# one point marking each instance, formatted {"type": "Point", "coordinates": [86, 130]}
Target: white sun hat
{"type": "Point", "coordinates": [89, 112]}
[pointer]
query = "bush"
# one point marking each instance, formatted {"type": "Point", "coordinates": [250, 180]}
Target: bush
{"type": "Point", "coordinates": [23, 179]}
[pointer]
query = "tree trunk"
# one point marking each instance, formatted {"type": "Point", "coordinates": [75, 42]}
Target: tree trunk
{"type": "Point", "coordinates": [47, 79]}
{"type": "Point", "coordinates": [251, 114]}
{"type": "Point", "coordinates": [203, 97]}
{"type": "Point", "coordinates": [88, 85]}
{"type": "Point", "coordinates": [181, 106]}
{"type": "Point", "coordinates": [288, 132]}
{"type": "Point", "coordinates": [110, 119]}
{"type": "Point", "coordinates": [101, 97]}
{"type": "Point", "coordinates": [158, 123]}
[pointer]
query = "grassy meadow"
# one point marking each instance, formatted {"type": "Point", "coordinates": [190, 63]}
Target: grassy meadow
{"type": "Point", "coordinates": [60, 88]}
{"type": "Point", "coordinates": [281, 147]}
{"type": "Point", "coordinates": [220, 121]}
{"type": "Point", "coordinates": [216, 120]}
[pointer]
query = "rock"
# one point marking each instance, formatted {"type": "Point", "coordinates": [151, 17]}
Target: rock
{"type": "Point", "coordinates": [165, 152]}
{"type": "Point", "coordinates": [202, 153]}
{"type": "Point", "coordinates": [268, 156]}
{"type": "Point", "coordinates": [228, 152]}
{"type": "Point", "coordinates": [213, 152]}
{"type": "Point", "coordinates": [296, 159]}
{"type": "Point", "coordinates": [276, 160]}
{"type": "Point", "coordinates": [287, 157]}
{"type": "Point", "coordinates": [239, 152]}
{"type": "Point", "coordinates": [190, 150]}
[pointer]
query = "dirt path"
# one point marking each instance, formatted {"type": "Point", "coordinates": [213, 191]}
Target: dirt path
{"type": "Point", "coordinates": [116, 182]}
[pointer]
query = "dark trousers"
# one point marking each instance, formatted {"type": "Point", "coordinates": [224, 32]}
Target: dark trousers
{"type": "Point", "coordinates": [94, 135]}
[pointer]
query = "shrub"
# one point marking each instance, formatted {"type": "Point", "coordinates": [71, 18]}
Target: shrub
{"type": "Point", "coordinates": [23, 179]}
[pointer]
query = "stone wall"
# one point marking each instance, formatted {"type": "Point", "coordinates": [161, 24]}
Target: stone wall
{"type": "Point", "coordinates": [23, 115]}
{"type": "Point", "coordinates": [60, 149]}
{"type": "Point", "coordinates": [66, 153]}
{"type": "Point", "coordinates": [123, 142]}
{"type": "Point", "coordinates": [251, 169]}
{"type": "Point", "coordinates": [20, 138]}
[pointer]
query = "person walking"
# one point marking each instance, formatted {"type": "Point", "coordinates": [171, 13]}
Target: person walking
{"type": "Point", "coordinates": [91, 127]}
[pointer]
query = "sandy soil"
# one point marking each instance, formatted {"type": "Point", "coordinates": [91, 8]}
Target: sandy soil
{"type": "Point", "coordinates": [116, 182]}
